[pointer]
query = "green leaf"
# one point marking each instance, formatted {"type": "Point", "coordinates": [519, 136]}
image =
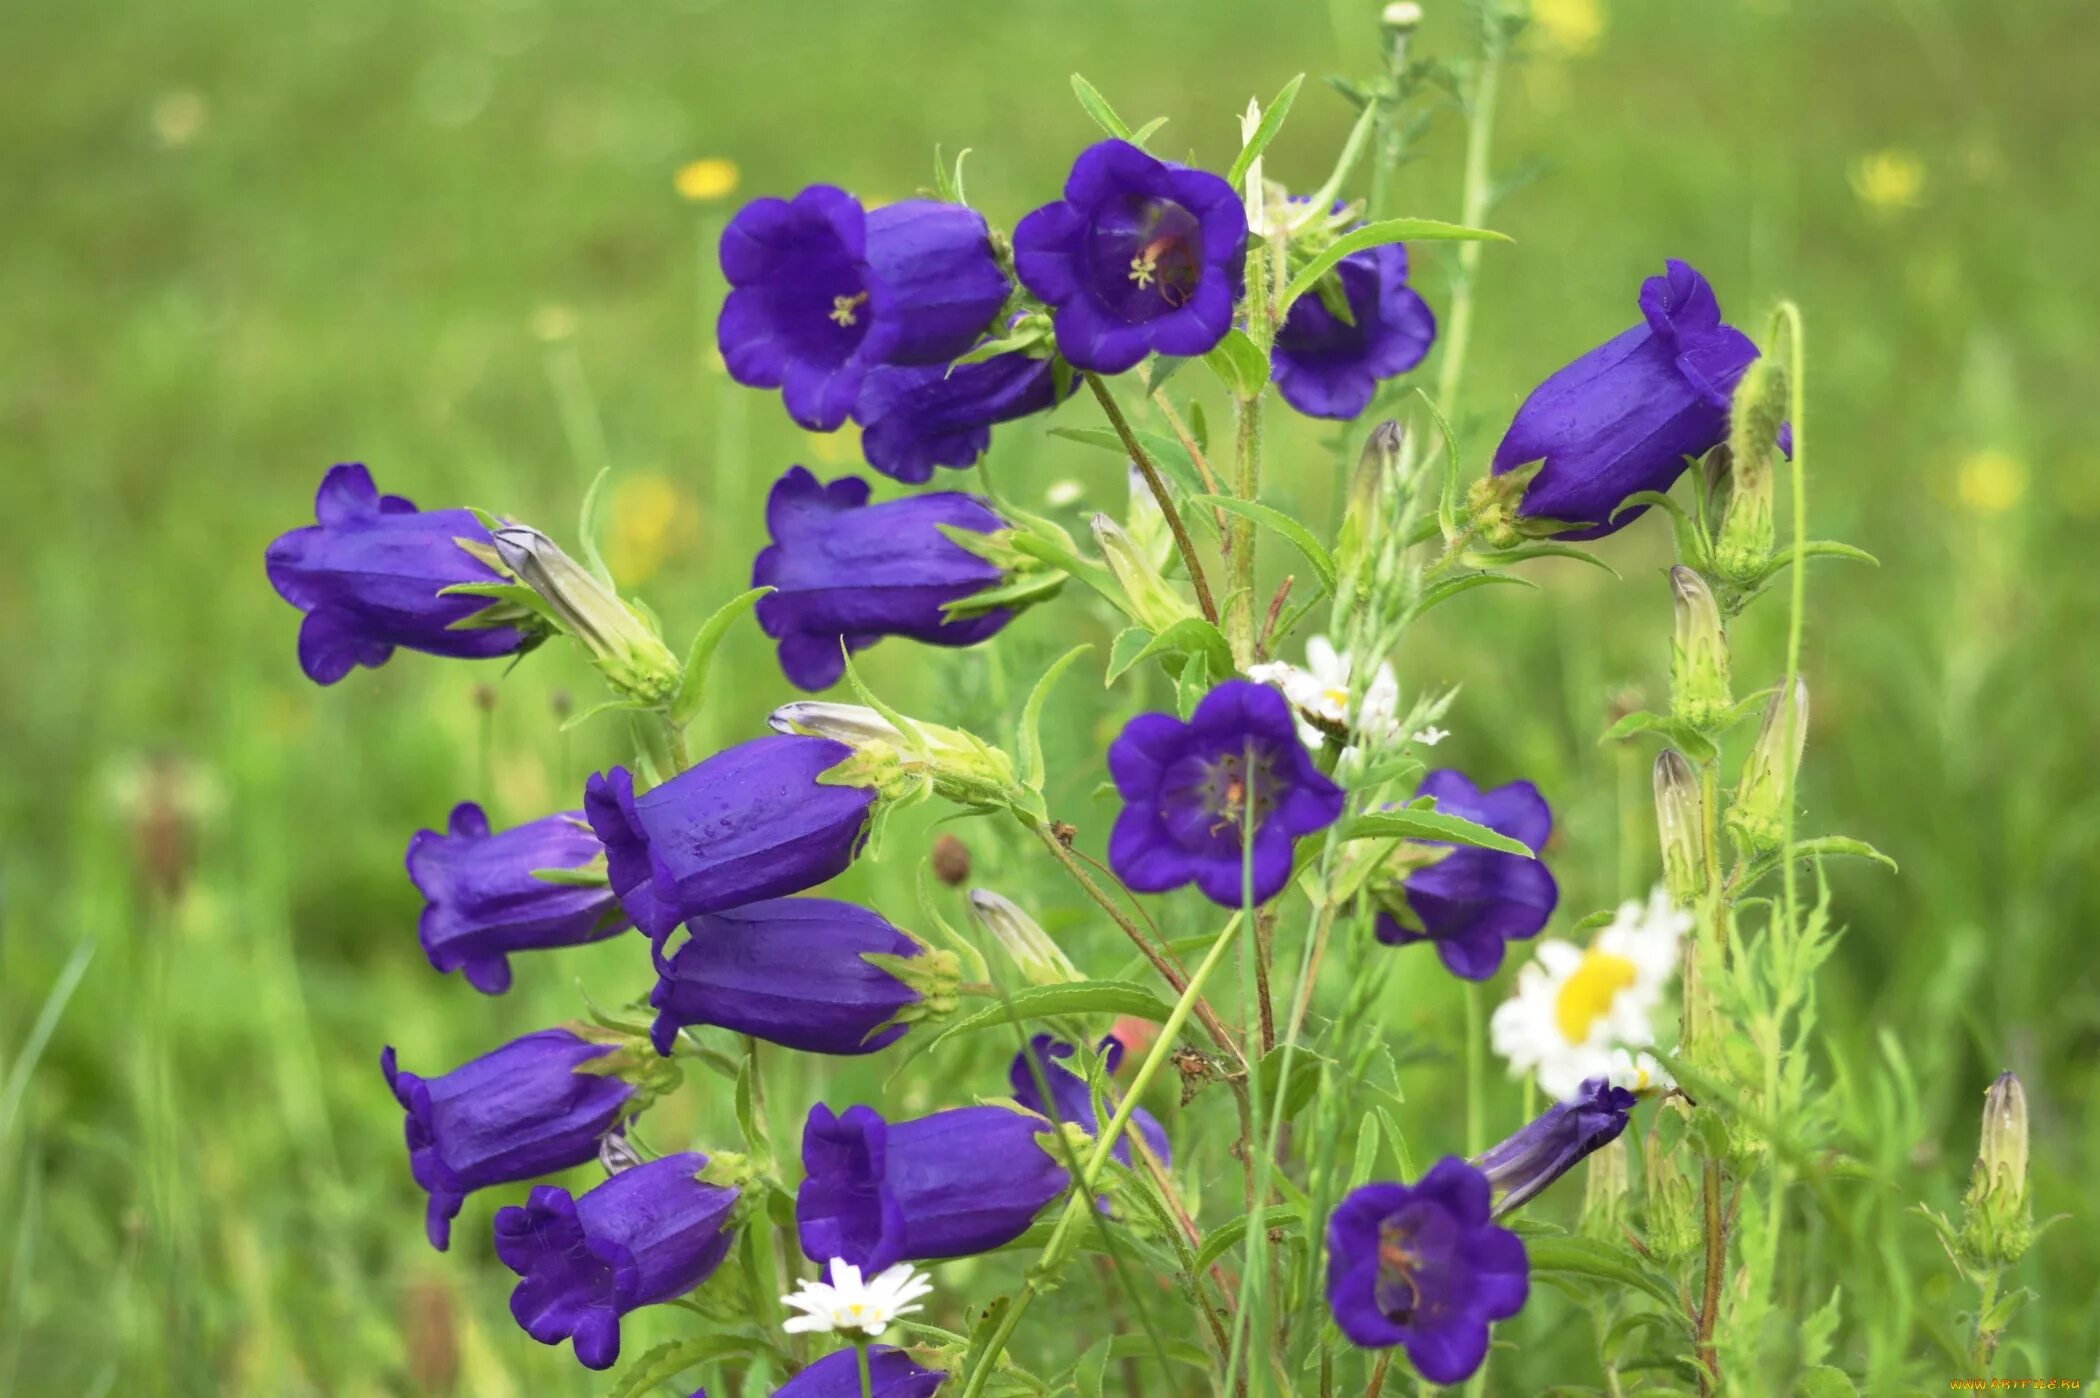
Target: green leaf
{"type": "Point", "coordinates": [1239, 364]}
{"type": "Point", "coordinates": [1451, 587]}
{"type": "Point", "coordinates": [1294, 1092]}
{"type": "Point", "coordinates": [692, 687]}
{"type": "Point", "coordinates": [1418, 823]}
{"type": "Point", "coordinates": [1123, 651]}
{"type": "Point", "coordinates": [1167, 453]}
{"type": "Point", "coordinates": [1047, 550]}
{"type": "Point", "coordinates": [746, 1109]}
{"type": "Point", "coordinates": [672, 1358]}
{"type": "Point", "coordinates": [1818, 548]}
{"type": "Point", "coordinates": [1191, 685]}
{"type": "Point", "coordinates": [1825, 1381]}
{"type": "Point", "coordinates": [1697, 748]}
{"type": "Point", "coordinates": [1097, 107]}
{"type": "Point", "coordinates": [1447, 494]}
{"type": "Point", "coordinates": [1025, 591]}
{"type": "Point", "coordinates": [1549, 550]}
{"type": "Point", "coordinates": [1088, 1372]}
{"type": "Point", "coordinates": [587, 528]}
{"type": "Point", "coordinates": [1598, 1261]}
{"type": "Point", "coordinates": [1371, 235]}
{"type": "Point", "coordinates": [1145, 133]}
{"type": "Point", "coordinates": [1191, 635]}
{"type": "Point", "coordinates": [1227, 1234]}
{"type": "Point", "coordinates": [1271, 123]}
{"type": "Point", "coordinates": [1299, 536]}
{"type": "Point", "coordinates": [1841, 846]}
{"type": "Point", "coordinates": [1028, 741]}
{"type": "Point", "coordinates": [589, 876]}
{"type": "Point", "coordinates": [1067, 998]}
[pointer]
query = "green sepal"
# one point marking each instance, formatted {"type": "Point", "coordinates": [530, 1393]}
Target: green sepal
{"type": "Point", "coordinates": [591, 875]}
{"type": "Point", "coordinates": [1271, 123]}
{"type": "Point", "coordinates": [1371, 235]}
{"type": "Point", "coordinates": [692, 682]}
{"type": "Point", "coordinates": [1096, 106]}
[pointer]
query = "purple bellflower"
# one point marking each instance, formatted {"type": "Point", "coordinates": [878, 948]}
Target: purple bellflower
{"type": "Point", "coordinates": [1522, 1166]}
{"type": "Point", "coordinates": [368, 571]}
{"type": "Point", "coordinates": [1472, 902]}
{"type": "Point", "coordinates": [844, 570]}
{"type": "Point", "coordinates": [649, 1234]}
{"type": "Point", "coordinates": [1624, 417]}
{"type": "Point", "coordinates": [518, 1112]}
{"type": "Point", "coordinates": [1326, 367]}
{"type": "Point", "coordinates": [748, 823]}
{"type": "Point", "coordinates": [482, 900]}
{"type": "Point", "coordinates": [891, 1374]}
{"type": "Point", "coordinates": [822, 289]}
{"type": "Point", "coordinates": [913, 419]}
{"type": "Point", "coordinates": [952, 1184]}
{"type": "Point", "coordinates": [1139, 256]}
{"type": "Point", "coordinates": [1424, 1267]}
{"type": "Point", "coordinates": [1189, 787]}
{"type": "Point", "coordinates": [1072, 1101]}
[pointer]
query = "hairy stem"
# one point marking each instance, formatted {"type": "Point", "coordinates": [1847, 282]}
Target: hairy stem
{"type": "Point", "coordinates": [1710, 1292]}
{"type": "Point", "coordinates": [1158, 486]}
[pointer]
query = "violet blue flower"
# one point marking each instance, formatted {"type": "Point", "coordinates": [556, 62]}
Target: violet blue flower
{"type": "Point", "coordinates": [750, 822]}
{"type": "Point", "coordinates": [649, 1234]}
{"type": "Point", "coordinates": [1326, 367]}
{"type": "Point", "coordinates": [1186, 789]}
{"type": "Point", "coordinates": [916, 418]}
{"type": "Point", "coordinates": [1474, 901]}
{"type": "Point", "coordinates": [1424, 1267]}
{"type": "Point", "coordinates": [1139, 256]}
{"type": "Point", "coordinates": [520, 1111]}
{"type": "Point", "coordinates": [844, 570]}
{"type": "Point", "coordinates": [482, 900]}
{"type": "Point", "coordinates": [822, 289]}
{"type": "Point", "coordinates": [367, 573]}
{"type": "Point", "coordinates": [1553, 1144]}
{"type": "Point", "coordinates": [891, 1374]}
{"type": "Point", "coordinates": [790, 971]}
{"type": "Point", "coordinates": [1625, 417]}
{"type": "Point", "coordinates": [952, 1184]}
{"type": "Point", "coordinates": [1070, 1098]}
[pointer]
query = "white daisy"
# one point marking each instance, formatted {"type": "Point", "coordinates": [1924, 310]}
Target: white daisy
{"type": "Point", "coordinates": [849, 1304]}
{"type": "Point", "coordinates": [1320, 689]}
{"type": "Point", "coordinates": [1432, 735]}
{"type": "Point", "coordinates": [1639, 1073]}
{"type": "Point", "coordinates": [1574, 1007]}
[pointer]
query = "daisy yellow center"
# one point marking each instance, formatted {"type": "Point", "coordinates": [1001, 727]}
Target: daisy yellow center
{"type": "Point", "coordinates": [842, 307]}
{"type": "Point", "coordinates": [1587, 996]}
{"type": "Point", "coordinates": [1338, 697]}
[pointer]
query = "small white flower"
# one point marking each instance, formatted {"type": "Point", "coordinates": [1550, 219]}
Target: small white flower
{"type": "Point", "coordinates": [1321, 688]}
{"type": "Point", "coordinates": [851, 1305]}
{"type": "Point", "coordinates": [1062, 493]}
{"type": "Point", "coordinates": [1639, 1073]}
{"type": "Point", "coordinates": [1577, 1011]}
{"type": "Point", "coordinates": [1432, 735]}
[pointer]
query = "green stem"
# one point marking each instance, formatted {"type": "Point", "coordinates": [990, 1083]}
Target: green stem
{"type": "Point", "coordinates": [867, 1382]}
{"type": "Point", "coordinates": [1158, 486]}
{"type": "Point", "coordinates": [1476, 1116]}
{"type": "Point", "coordinates": [1254, 1278]}
{"type": "Point", "coordinates": [1479, 138]}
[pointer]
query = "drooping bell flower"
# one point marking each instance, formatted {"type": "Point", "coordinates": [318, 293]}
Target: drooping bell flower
{"type": "Point", "coordinates": [482, 898]}
{"type": "Point", "coordinates": [891, 1374]}
{"type": "Point", "coordinates": [1522, 1166]}
{"type": "Point", "coordinates": [1424, 1267]}
{"type": "Point", "coordinates": [647, 1235]}
{"type": "Point", "coordinates": [1189, 788]}
{"type": "Point", "coordinates": [822, 289]}
{"type": "Point", "coordinates": [368, 572]}
{"type": "Point", "coordinates": [1073, 1101]}
{"type": "Point", "coordinates": [795, 972]}
{"type": "Point", "coordinates": [846, 571]}
{"type": "Point", "coordinates": [748, 823]}
{"type": "Point", "coordinates": [1473, 902]}
{"type": "Point", "coordinates": [523, 1110]}
{"type": "Point", "coordinates": [1625, 417]}
{"type": "Point", "coordinates": [1326, 367]}
{"type": "Point", "coordinates": [952, 1184]}
{"type": "Point", "coordinates": [913, 419]}
{"type": "Point", "coordinates": [1140, 256]}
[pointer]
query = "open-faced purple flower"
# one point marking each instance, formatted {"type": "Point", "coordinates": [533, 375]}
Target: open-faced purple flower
{"type": "Point", "coordinates": [1070, 1098]}
{"type": "Point", "coordinates": [891, 1374]}
{"type": "Point", "coordinates": [1189, 788]}
{"type": "Point", "coordinates": [1425, 1268]}
{"type": "Point", "coordinates": [750, 822]}
{"type": "Point", "coordinates": [1555, 1142]}
{"type": "Point", "coordinates": [1139, 256]}
{"type": "Point", "coordinates": [1472, 902]}
{"type": "Point", "coordinates": [794, 971]}
{"type": "Point", "coordinates": [952, 1184]}
{"type": "Point", "coordinates": [649, 1234]}
{"type": "Point", "coordinates": [367, 573]}
{"type": "Point", "coordinates": [843, 570]}
{"type": "Point", "coordinates": [913, 419]}
{"type": "Point", "coordinates": [521, 1111]}
{"type": "Point", "coordinates": [1326, 367]}
{"type": "Point", "coordinates": [821, 289]}
{"type": "Point", "coordinates": [1625, 417]}
{"type": "Point", "coordinates": [482, 899]}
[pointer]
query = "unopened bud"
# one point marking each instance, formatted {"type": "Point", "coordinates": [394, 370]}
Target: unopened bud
{"type": "Point", "coordinates": [1998, 1222]}
{"type": "Point", "coordinates": [1042, 961]}
{"type": "Point", "coordinates": [1758, 815]}
{"type": "Point", "coordinates": [958, 765]}
{"type": "Point", "coordinates": [1669, 1211]}
{"type": "Point", "coordinates": [1364, 512]}
{"type": "Point", "coordinates": [1604, 1192]}
{"type": "Point", "coordinates": [1146, 523]}
{"type": "Point", "coordinates": [1679, 822]}
{"type": "Point", "coordinates": [1699, 693]}
{"type": "Point", "coordinates": [623, 645]}
{"type": "Point", "coordinates": [1755, 418]}
{"type": "Point", "coordinates": [1155, 605]}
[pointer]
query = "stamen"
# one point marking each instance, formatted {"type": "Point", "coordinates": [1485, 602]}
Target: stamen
{"type": "Point", "coordinates": [842, 308]}
{"type": "Point", "coordinates": [1144, 268]}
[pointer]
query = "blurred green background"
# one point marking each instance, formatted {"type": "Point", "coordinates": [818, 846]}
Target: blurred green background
{"type": "Point", "coordinates": [448, 239]}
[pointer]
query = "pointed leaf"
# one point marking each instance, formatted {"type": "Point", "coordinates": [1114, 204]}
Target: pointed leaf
{"type": "Point", "coordinates": [692, 686]}
{"type": "Point", "coordinates": [1028, 742]}
{"type": "Point", "coordinates": [587, 528]}
{"type": "Point", "coordinates": [1418, 823]}
{"type": "Point", "coordinates": [1097, 107]}
{"type": "Point", "coordinates": [1191, 635]}
{"type": "Point", "coordinates": [1371, 235]}
{"type": "Point", "coordinates": [1271, 123]}
{"type": "Point", "coordinates": [1239, 364]}
{"type": "Point", "coordinates": [1598, 1261]}
{"type": "Point", "coordinates": [1066, 998]}
{"type": "Point", "coordinates": [1299, 536]}
{"type": "Point", "coordinates": [1225, 1236]}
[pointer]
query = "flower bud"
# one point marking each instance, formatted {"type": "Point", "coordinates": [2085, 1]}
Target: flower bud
{"type": "Point", "coordinates": [1756, 420]}
{"type": "Point", "coordinates": [1146, 523]}
{"type": "Point", "coordinates": [1669, 1207]}
{"type": "Point", "coordinates": [1041, 960]}
{"type": "Point", "coordinates": [1551, 1145]}
{"type": "Point", "coordinates": [623, 645]}
{"type": "Point", "coordinates": [1678, 821]}
{"type": "Point", "coordinates": [958, 765]}
{"type": "Point", "coordinates": [1363, 514]}
{"type": "Point", "coordinates": [1155, 605]}
{"type": "Point", "coordinates": [1758, 815]}
{"type": "Point", "coordinates": [1604, 1192]}
{"type": "Point", "coordinates": [1998, 1224]}
{"type": "Point", "coordinates": [1699, 693]}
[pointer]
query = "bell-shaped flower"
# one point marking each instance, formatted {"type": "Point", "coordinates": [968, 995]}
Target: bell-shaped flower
{"type": "Point", "coordinates": [913, 419]}
{"type": "Point", "coordinates": [1473, 902]}
{"type": "Point", "coordinates": [1072, 1100]}
{"type": "Point", "coordinates": [1328, 366]}
{"type": "Point", "coordinates": [1554, 1143]}
{"type": "Point", "coordinates": [891, 1374]}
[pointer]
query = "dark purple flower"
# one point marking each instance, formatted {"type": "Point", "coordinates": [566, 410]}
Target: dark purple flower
{"type": "Point", "coordinates": [750, 822]}
{"type": "Point", "coordinates": [914, 419]}
{"type": "Point", "coordinates": [789, 971]}
{"type": "Point", "coordinates": [891, 1374]}
{"type": "Point", "coordinates": [1070, 1099]}
{"type": "Point", "coordinates": [845, 570]}
{"type": "Point", "coordinates": [367, 574]}
{"type": "Point", "coordinates": [1186, 788]}
{"type": "Point", "coordinates": [952, 1184]}
{"type": "Point", "coordinates": [1549, 1147]}
{"type": "Point", "coordinates": [822, 289]}
{"type": "Point", "coordinates": [1326, 367]}
{"type": "Point", "coordinates": [482, 901]}
{"type": "Point", "coordinates": [1139, 256]}
{"type": "Point", "coordinates": [648, 1234]}
{"type": "Point", "coordinates": [521, 1111]}
{"type": "Point", "coordinates": [1473, 901]}
{"type": "Point", "coordinates": [1424, 1267]}
{"type": "Point", "coordinates": [1624, 417]}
